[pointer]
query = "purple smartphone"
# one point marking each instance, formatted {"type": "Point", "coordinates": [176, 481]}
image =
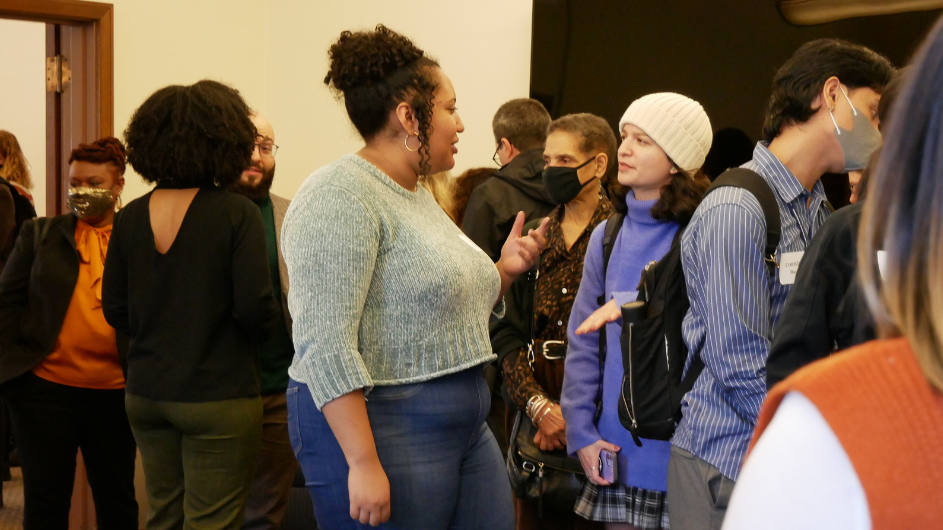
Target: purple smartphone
{"type": "Point", "coordinates": [608, 466]}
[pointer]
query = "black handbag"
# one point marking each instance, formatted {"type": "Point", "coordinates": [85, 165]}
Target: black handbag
{"type": "Point", "coordinates": [551, 479]}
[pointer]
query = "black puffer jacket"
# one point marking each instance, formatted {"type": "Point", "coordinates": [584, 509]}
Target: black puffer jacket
{"type": "Point", "coordinates": [493, 206]}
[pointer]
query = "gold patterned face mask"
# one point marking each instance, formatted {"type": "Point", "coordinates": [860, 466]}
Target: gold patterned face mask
{"type": "Point", "coordinates": [90, 202]}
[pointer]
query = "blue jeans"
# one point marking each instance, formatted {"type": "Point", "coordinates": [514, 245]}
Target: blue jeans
{"type": "Point", "coordinates": [444, 466]}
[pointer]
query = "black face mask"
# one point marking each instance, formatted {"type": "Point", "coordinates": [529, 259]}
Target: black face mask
{"type": "Point", "coordinates": [563, 183]}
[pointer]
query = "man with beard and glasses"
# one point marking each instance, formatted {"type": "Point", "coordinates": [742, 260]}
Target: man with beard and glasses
{"type": "Point", "coordinates": [276, 465]}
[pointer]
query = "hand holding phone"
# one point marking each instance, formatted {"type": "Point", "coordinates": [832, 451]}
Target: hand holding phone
{"type": "Point", "coordinates": [608, 466]}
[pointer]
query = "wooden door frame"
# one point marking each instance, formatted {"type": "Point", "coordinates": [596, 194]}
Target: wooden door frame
{"type": "Point", "coordinates": [86, 30]}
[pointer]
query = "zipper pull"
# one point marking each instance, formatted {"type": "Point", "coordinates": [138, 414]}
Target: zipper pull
{"type": "Point", "coordinates": [540, 470]}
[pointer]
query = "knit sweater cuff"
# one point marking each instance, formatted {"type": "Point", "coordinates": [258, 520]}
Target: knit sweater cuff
{"type": "Point", "coordinates": [347, 374]}
{"type": "Point", "coordinates": [497, 312]}
{"type": "Point", "coordinates": [577, 439]}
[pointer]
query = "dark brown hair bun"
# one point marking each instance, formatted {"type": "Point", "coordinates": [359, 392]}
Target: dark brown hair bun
{"type": "Point", "coordinates": [367, 58]}
{"type": "Point", "coordinates": [377, 70]}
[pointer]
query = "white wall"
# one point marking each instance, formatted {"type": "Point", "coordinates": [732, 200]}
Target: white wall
{"type": "Point", "coordinates": [181, 42]}
{"type": "Point", "coordinates": [23, 96]}
{"type": "Point", "coordinates": [483, 45]}
{"type": "Point", "coordinates": [275, 53]}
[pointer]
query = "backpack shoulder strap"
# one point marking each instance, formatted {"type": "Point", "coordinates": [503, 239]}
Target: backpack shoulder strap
{"type": "Point", "coordinates": [759, 188]}
{"type": "Point", "coordinates": [613, 225]}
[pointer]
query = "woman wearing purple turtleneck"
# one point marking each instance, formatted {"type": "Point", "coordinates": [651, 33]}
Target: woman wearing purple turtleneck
{"type": "Point", "coordinates": [665, 138]}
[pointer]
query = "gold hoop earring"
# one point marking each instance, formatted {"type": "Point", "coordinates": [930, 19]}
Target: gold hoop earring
{"type": "Point", "coordinates": [406, 143]}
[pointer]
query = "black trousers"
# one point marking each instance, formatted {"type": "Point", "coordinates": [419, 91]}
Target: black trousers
{"type": "Point", "coordinates": [51, 422]}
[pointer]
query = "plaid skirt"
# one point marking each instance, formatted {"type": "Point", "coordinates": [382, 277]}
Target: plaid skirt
{"type": "Point", "coordinates": [645, 509]}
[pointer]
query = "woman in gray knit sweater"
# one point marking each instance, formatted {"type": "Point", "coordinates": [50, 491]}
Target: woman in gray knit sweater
{"type": "Point", "coordinates": [391, 303]}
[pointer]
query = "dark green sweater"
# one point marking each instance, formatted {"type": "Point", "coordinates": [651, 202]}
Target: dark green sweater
{"type": "Point", "coordinates": [275, 353]}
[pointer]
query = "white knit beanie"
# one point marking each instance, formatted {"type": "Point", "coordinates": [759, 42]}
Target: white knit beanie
{"type": "Point", "coordinates": [677, 123]}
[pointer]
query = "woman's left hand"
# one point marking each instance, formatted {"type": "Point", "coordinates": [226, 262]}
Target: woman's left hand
{"type": "Point", "coordinates": [520, 252]}
{"type": "Point", "coordinates": [609, 312]}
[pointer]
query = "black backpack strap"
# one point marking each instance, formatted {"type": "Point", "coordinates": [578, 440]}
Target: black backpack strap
{"type": "Point", "coordinates": [759, 188]}
{"type": "Point", "coordinates": [613, 225]}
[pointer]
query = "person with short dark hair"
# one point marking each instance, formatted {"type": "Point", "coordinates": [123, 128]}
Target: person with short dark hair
{"type": "Point", "coordinates": [825, 311]}
{"type": "Point", "coordinates": [60, 361]}
{"type": "Point", "coordinates": [391, 304]}
{"type": "Point", "coordinates": [822, 117]}
{"type": "Point", "coordinates": [187, 279]}
{"type": "Point", "coordinates": [853, 441]}
{"type": "Point", "coordinates": [520, 130]}
{"type": "Point", "coordinates": [276, 464]}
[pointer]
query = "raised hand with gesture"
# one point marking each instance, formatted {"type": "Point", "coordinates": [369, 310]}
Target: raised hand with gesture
{"type": "Point", "coordinates": [519, 253]}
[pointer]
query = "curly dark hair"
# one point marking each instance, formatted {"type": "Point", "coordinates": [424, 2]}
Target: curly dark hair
{"type": "Point", "coordinates": [102, 151]}
{"type": "Point", "coordinates": [376, 70]}
{"type": "Point", "coordinates": [191, 136]}
{"type": "Point", "coordinates": [800, 80]}
{"type": "Point", "coordinates": [680, 197]}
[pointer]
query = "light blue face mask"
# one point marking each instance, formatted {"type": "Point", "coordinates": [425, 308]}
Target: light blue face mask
{"type": "Point", "coordinates": [858, 143]}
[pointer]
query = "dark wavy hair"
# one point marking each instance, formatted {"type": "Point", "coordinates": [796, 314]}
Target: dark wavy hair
{"type": "Point", "coordinates": [374, 71]}
{"type": "Point", "coordinates": [681, 196]}
{"type": "Point", "coordinates": [107, 150]}
{"type": "Point", "coordinates": [800, 80]}
{"type": "Point", "coordinates": [191, 136]}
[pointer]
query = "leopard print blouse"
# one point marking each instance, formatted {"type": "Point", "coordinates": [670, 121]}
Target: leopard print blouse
{"type": "Point", "coordinates": [560, 273]}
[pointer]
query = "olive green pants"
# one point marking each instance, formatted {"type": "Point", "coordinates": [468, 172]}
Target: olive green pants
{"type": "Point", "coordinates": [198, 459]}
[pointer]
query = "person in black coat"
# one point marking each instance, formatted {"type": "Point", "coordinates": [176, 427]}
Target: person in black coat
{"type": "Point", "coordinates": [520, 130]}
{"type": "Point", "coordinates": [60, 361]}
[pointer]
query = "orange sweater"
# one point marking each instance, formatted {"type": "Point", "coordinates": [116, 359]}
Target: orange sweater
{"type": "Point", "coordinates": [889, 421]}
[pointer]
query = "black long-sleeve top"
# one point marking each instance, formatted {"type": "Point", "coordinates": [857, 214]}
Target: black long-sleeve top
{"type": "Point", "coordinates": [195, 313]}
{"type": "Point", "coordinates": [825, 310]}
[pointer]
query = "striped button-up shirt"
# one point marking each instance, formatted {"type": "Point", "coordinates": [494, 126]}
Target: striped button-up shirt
{"type": "Point", "coordinates": [735, 303]}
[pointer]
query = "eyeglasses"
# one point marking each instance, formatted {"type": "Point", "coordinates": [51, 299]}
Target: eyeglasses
{"type": "Point", "coordinates": [494, 157]}
{"type": "Point", "coordinates": [266, 149]}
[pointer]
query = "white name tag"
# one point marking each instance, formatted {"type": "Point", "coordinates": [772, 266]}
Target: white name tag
{"type": "Point", "coordinates": [470, 242]}
{"type": "Point", "coordinates": [789, 266]}
{"type": "Point", "coordinates": [882, 263]}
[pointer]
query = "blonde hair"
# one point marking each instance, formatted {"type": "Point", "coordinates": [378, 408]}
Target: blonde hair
{"type": "Point", "coordinates": [903, 218]}
{"type": "Point", "coordinates": [16, 168]}
{"type": "Point", "coordinates": [441, 185]}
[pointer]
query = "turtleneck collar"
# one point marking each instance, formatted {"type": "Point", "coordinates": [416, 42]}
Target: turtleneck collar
{"type": "Point", "coordinates": [640, 211]}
